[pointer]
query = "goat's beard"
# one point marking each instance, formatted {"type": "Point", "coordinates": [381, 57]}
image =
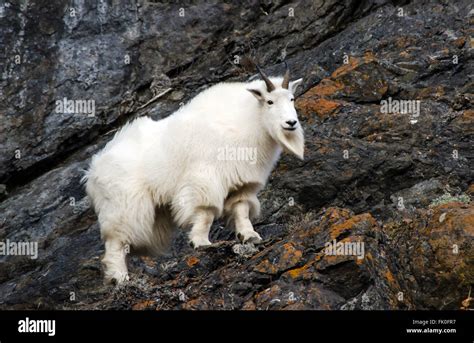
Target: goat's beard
{"type": "Point", "coordinates": [291, 141]}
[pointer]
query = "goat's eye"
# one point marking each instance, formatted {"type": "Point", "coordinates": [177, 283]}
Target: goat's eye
{"type": "Point", "coordinates": [292, 99]}
{"type": "Point", "coordinates": [270, 102]}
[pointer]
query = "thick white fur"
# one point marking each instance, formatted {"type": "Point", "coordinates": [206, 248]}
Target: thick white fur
{"type": "Point", "coordinates": [155, 176]}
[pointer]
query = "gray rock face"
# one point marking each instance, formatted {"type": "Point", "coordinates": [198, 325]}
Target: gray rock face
{"type": "Point", "coordinates": [124, 59]}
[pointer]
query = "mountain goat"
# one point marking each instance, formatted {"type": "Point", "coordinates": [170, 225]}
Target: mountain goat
{"type": "Point", "coordinates": [186, 170]}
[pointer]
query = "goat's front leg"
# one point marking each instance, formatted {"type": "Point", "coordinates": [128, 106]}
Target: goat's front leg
{"type": "Point", "coordinates": [243, 227]}
{"type": "Point", "coordinates": [199, 234]}
{"type": "Point", "coordinates": [114, 261]}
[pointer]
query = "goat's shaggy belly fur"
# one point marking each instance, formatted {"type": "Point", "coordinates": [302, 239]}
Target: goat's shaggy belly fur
{"type": "Point", "coordinates": [155, 176]}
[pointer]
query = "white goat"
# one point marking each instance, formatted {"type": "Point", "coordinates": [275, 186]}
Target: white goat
{"type": "Point", "coordinates": [155, 176]}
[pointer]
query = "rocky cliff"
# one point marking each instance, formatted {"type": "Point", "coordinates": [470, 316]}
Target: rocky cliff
{"type": "Point", "coordinates": [401, 182]}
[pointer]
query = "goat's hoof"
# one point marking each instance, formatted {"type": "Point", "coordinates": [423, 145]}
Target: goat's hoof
{"type": "Point", "coordinates": [197, 243]}
{"type": "Point", "coordinates": [116, 279]}
{"type": "Point", "coordinates": [249, 237]}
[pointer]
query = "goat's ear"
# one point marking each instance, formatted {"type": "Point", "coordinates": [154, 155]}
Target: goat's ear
{"type": "Point", "coordinates": [294, 85]}
{"type": "Point", "coordinates": [256, 93]}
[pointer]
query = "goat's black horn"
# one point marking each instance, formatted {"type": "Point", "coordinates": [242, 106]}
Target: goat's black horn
{"type": "Point", "coordinates": [270, 85]}
{"type": "Point", "coordinates": [286, 79]}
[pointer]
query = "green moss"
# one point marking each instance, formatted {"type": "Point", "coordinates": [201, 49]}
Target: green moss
{"type": "Point", "coordinates": [446, 198]}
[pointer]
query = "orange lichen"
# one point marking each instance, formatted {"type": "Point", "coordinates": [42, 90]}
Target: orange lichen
{"type": "Point", "coordinates": [389, 276]}
{"type": "Point", "coordinates": [191, 261]}
{"type": "Point", "coordinates": [143, 305]}
{"type": "Point", "coordinates": [338, 229]}
{"type": "Point", "coordinates": [266, 267]}
{"type": "Point", "coordinates": [369, 56]}
{"type": "Point", "coordinates": [322, 107]}
{"type": "Point", "coordinates": [325, 88]}
{"type": "Point", "coordinates": [345, 68]}
{"type": "Point", "coordinates": [352, 64]}
{"type": "Point", "coordinates": [290, 256]}
{"type": "Point", "coordinates": [298, 272]}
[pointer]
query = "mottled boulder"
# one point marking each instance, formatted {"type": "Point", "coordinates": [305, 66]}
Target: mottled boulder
{"type": "Point", "coordinates": [434, 255]}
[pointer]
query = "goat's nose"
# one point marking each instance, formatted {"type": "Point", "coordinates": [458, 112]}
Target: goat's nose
{"type": "Point", "coordinates": [291, 122]}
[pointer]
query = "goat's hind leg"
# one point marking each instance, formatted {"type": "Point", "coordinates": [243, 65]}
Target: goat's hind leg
{"type": "Point", "coordinates": [243, 227]}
